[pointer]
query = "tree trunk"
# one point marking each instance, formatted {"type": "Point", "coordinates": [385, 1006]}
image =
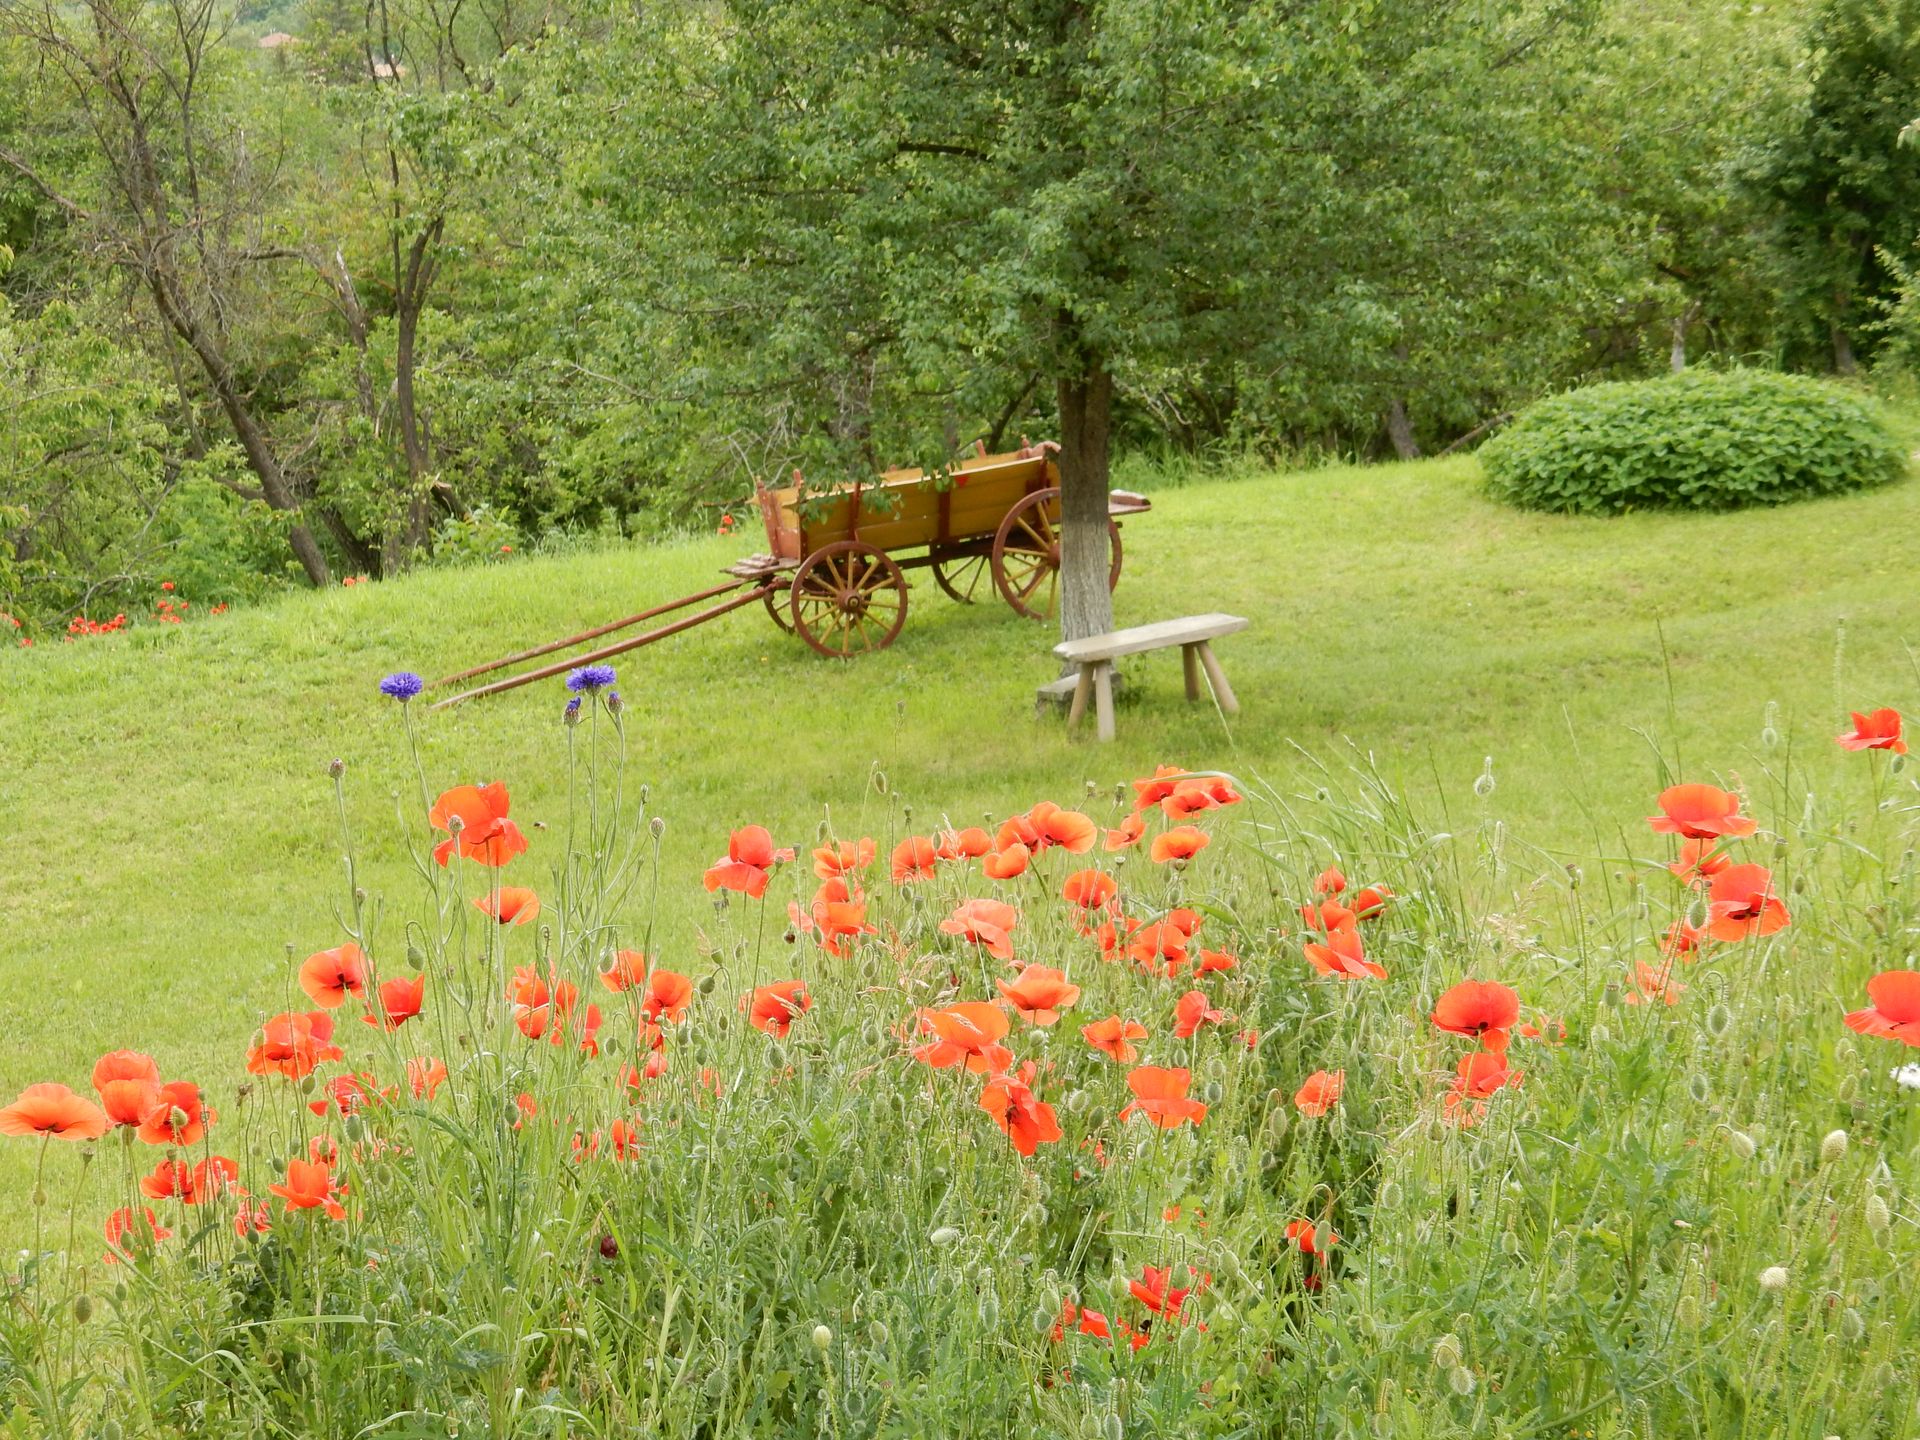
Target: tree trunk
{"type": "Point", "coordinates": [1400, 430]}
{"type": "Point", "coordinates": [1086, 414]}
{"type": "Point", "coordinates": [410, 299]}
{"type": "Point", "coordinates": [1843, 362]}
{"type": "Point", "coordinates": [1677, 355]}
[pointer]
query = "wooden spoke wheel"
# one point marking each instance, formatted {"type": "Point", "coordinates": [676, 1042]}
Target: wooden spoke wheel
{"type": "Point", "coordinates": [848, 598]}
{"type": "Point", "coordinates": [778, 602]}
{"type": "Point", "coordinates": [1026, 557]}
{"type": "Point", "coordinates": [965, 576]}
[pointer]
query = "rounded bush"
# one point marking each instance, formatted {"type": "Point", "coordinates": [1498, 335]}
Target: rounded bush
{"type": "Point", "coordinates": [1700, 440]}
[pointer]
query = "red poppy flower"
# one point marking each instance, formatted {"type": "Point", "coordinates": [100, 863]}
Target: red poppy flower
{"type": "Point", "coordinates": [425, 1075]}
{"type": "Point", "coordinates": [1161, 1095]}
{"type": "Point", "coordinates": [329, 976]}
{"type": "Point", "coordinates": [842, 857]}
{"type": "Point", "coordinates": [1683, 940]}
{"type": "Point", "coordinates": [510, 904]}
{"type": "Point", "coordinates": [1700, 861]}
{"type": "Point", "coordinates": [349, 1094]}
{"type": "Point", "coordinates": [1879, 730]}
{"type": "Point", "coordinates": [629, 968]}
{"type": "Point", "coordinates": [128, 1233]}
{"type": "Point", "coordinates": [750, 855]}
{"type": "Point", "coordinates": [1320, 1092]}
{"type": "Point", "coordinates": [772, 1008]}
{"type": "Point", "coordinates": [1193, 1010]}
{"type": "Point", "coordinates": [1895, 1008]}
{"type": "Point", "coordinates": [668, 996]}
{"type": "Point", "coordinates": [1007, 863]}
{"type": "Point", "coordinates": [486, 834]}
{"type": "Point", "coordinates": [1482, 1010]}
{"type": "Point", "coordinates": [400, 1000]}
{"type": "Point", "coordinates": [1114, 1036]}
{"type": "Point", "coordinates": [1126, 835]}
{"type": "Point", "coordinates": [1040, 994]}
{"type": "Point", "coordinates": [1370, 901]}
{"type": "Point", "coordinates": [1159, 948]}
{"type": "Point", "coordinates": [1303, 1234]}
{"type": "Point", "coordinates": [310, 1186]}
{"type": "Point", "coordinates": [1027, 1120]}
{"type": "Point", "coordinates": [192, 1184]}
{"type": "Point", "coordinates": [913, 859]}
{"type": "Point", "coordinates": [987, 923]}
{"type": "Point", "coordinates": [1152, 1289]}
{"type": "Point", "coordinates": [1329, 881]}
{"type": "Point", "coordinates": [1198, 793]}
{"type": "Point", "coordinates": [1741, 902]}
{"type": "Point", "coordinates": [968, 844]}
{"type": "Point", "coordinates": [53, 1110]}
{"type": "Point", "coordinates": [1701, 812]}
{"type": "Point", "coordinates": [1182, 842]}
{"type": "Point", "coordinates": [178, 1117]}
{"type": "Point", "coordinates": [1476, 1077]}
{"type": "Point", "coordinates": [1326, 916]}
{"type": "Point", "coordinates": [292, 1044]}
{"type": "Point", "coordinates": [1654, 982]}
{"type": "Point", "coordinates": [968, 1033]}
{"type": "Point", "coordinates": [836, 915]}
{"type": "Point", "coordinates": [1156, 788]}
{"type": "Point", "coordinates": [1212, 960]}
{"type": "Point", "coordinates": [1343, 955]}
{"type": "Point", "coordinates": [538, 1002]}
{"type": "Point", "coordinates": [1087, 1322]}
{"type": "Point", "coordinates": [128, 1084]}
{"type": "Point", "coordinates": [1548, 1028]}
{"type": "Point", "coordinates": [1090, 889]}
{"type": "Point", "coordinates": [250, 1219]}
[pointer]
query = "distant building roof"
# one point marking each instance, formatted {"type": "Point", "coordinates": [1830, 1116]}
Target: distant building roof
{"type": "Point", "coordinates": [383, 71]}
{"type": "Point", "coordinates": [277, 40]}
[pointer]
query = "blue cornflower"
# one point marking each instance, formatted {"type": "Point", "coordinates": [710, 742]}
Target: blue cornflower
{"type": "Point", "coordinates": [572, 713]}
{"type": "Point", "coordinates": [403, 685]}
{"type": "Point", "coordinates": [591, 678]}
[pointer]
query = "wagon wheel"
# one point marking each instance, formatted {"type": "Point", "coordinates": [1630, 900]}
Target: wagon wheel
{"type": "Point", "coordinates": [777, 600]}
{"type": "Point", "coordinates": [963, 576]}
{"type": "Point", "coordinates": [1026, 557]}
{"type": "Point", "coordinates": [849, 598]}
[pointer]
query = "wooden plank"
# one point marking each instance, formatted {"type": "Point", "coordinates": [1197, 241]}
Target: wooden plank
{"type": "Point", "coordinates": [1190, 662]}
{"type": "Point", "coordinates": [1103, 696]}
{"type": "Point", "coordinates": [1216, 677]}
{"type": "Point", "coordinates": [1189, 630]}
{"type": "Point", "coordinates": [1080, 688]}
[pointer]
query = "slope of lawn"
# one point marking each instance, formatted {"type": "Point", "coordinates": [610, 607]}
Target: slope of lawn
{"type": "Point", "coordinates": [170, 831]}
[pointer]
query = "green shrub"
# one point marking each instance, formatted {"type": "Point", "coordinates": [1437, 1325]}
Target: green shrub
{"type": "Point", "coordinates": [1701, 440]}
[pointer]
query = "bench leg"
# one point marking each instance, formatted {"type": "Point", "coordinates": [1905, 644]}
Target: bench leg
{"type": "Point", "coordinates": [1216, 677]}
{"type": "Point", "coordinates": [1190, 662]}
{"type": "Point", "coordinates": [1080, 688]}
{"type": "Point", "coordinates": [1103, 697]}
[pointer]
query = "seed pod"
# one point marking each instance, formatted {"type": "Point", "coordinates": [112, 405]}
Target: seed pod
{"type": "Point", "coordinates": [83, 1308]}
{"type": "Point", "coordinates": [1741, 1144]}
{"type": "Point", "coordinates": [1719, 1020]}
{"type": "Point", "coordinates": [822, 1338]}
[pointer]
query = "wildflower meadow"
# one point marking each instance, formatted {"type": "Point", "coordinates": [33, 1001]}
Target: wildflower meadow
{"type": "Point", "coordinates": [1188, 1107]}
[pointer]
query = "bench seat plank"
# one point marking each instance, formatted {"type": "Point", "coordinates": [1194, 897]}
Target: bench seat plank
{"type": "Point", "coordinates": [1161, 635]}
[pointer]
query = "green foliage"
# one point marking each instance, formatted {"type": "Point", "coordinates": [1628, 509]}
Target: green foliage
{"type": "Point", "coordinates": [1702, 440]}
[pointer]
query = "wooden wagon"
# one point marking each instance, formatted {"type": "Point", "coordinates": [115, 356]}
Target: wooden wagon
{"type": "Point", "coordinates": [834, 571]}
{"type": "Point", "coordinates": [990, 525]}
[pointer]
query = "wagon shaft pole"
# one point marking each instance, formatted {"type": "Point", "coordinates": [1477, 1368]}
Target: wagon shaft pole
{"type": "Point", "coordinates": [746, 597]}
{"type": "Point", "coordinates": [592, 634]}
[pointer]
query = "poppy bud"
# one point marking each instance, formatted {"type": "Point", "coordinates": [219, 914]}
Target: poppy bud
{"type": "Point", "coordinates": [1852, 1327]}
{"type": "Point", "coordinates": [336, 768]}
{"type": "Point", "coordinates": [416, 957]}
{"type": "Point", "coordinates": [1461, 1379]}
{"type": "Point", "coordinates": [1446, 1352]}
{"type": "Point", "coordinates": [944, 1235]}
{"type": "Point", "coordinates": [1599, 1034]}
{"type": "Point", "coordinates": [1483, 787]}
{"type": "Point", "coordinates": [1849, 1086]}
{"type": "Point", "coordinates": [1719, 1020]}
{"type": "Point", "coordinates": [1773, 1279]}
{"type": "Point", "coordinates": [1212, 1091]}
{"type": "Point", "coordinates": [1686, 1313]}
{"type": "Point", "coordinates": [716, 1382]}
{"type": "Point", "coordinates": [1833, 1149]}
{"type": "Point", "coordinates": [1741, 1144]}
{"type": "Point", "coordinates": [1698, 1088]}
{"type": "Point", "coordinates": [989, 1310]}
{"type": "Point", "coordinates": [1389, 1197]}
{"type": "Point", "coordinates": [879, 782]}
{"type": "Point", "coordinates": [822, 1338]}
{"type": "Point", "coordinates": [1113, 1429]}
{"type": "Point", "coordinates": [1879, 1217]}
{"type": "Point", "coordinates": [1041, 1319]}
{"type": "Point", "coordinates": [83, 1308]}
{"type": "Point", "coordinates": [356, 1129]}
{"type": "Point", "coordinates": [110, 1430]}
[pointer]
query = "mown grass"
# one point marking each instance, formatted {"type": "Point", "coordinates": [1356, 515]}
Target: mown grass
{"type": "Point", "coordinates": [1592, 1249]}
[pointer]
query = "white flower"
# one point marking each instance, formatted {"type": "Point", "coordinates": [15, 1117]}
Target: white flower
{"type": "Point", "coordinates": [1907, 1077]}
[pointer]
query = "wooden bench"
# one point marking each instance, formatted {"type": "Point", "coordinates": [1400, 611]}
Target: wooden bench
{"type": "Point", "coordinates": [1095, 656]}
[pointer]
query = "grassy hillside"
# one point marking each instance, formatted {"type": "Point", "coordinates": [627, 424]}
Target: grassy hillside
{"type": "Point", "coordinates": [171, 830]}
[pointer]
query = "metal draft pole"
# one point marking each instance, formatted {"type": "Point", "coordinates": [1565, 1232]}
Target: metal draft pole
{"type": "Point", "coordinates": [685, 623]}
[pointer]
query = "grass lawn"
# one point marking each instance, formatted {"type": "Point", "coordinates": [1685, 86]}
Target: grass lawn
{"type": "Point", "coordinates": [170, 827]}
